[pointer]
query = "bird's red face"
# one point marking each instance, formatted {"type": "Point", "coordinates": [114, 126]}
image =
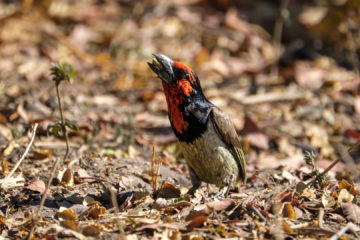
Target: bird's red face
{"type": "Point", "coordinates": [180, 85]}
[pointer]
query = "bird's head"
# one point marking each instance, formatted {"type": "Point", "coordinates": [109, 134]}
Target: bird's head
{"type": "Point", "coordinates": [175, 75]}
{"type": "Point", "coordinates": [184, 96]}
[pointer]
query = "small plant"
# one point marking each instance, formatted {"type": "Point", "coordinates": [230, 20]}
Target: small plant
{"type": "Point", "coordinates": [59, 73]}
{"type": "Point", "coordinates": [310, 160]}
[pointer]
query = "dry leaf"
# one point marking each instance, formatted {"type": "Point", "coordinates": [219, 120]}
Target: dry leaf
{"type": "Point", "coordinates": [81, 175]}
{"type": "Point", "coordinates": [37, 186]}
{"type": "Point", "coordinates": [8, 149]}
{"type": "Point", "coordinates": [345, 196]}
{"type": "Point", "coordinates": [91, 231]}
{"type": "Point", "coordinates": [87, 200]}
{"type": "Point", "coordinates": [5, 166]}
{"type": "Point", "coordinates": [259, 140]}
{"type": "Point", "coordinates": [197, 222]}
{"type": "Point", "coordinates": [288, 211]}
{"type": "Point", "coordinates": [327, 201]}
{"type": "Point", "coordinates": [168, 190]}
{"type": "Point", "coordinates": [159, 204]}
{"type": "Point", "coordinates": [69, 224]}
{"type": "Point", "coordinates": [14, 181]}
{"type": "Point", "coordinates": [309, 76]}
{"type": "Point", "coordinates": [66, 214]}
{"type": "Point", "coordinates": [205, 209]}
{"type": "Point", "coordinates": [96, 212]}
{"type": "Point", "coordinates": [308, 193]}
{"type": "Point", "coordinates": [352, 212]}
{"type": "Point", "coordinates": [286, 227]}
{"type": "Point", "coordinates": [67, 177]}
{"type": "Point", "coordinates": [41, 153]}
{"type": "Point", "coordinates": [346, 185]}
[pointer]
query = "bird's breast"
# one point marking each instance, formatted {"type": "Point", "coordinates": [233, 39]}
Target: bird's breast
{"type": "Point", "coordinates": [210, 158]}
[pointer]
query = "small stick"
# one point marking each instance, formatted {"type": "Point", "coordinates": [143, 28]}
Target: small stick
{"type": "Point", "coordinates": [351, 149]}
{"type": "Point", "coordinates": [113, 196]}
{"type": "Point", "coordinates": [353, 56]}
{"type": "Point", "coordinates": [259, 214]}
{"type": "Point", "coordinates": [157, 171]}
{"type": "Point", "coordinates": [316, 230]}
{"type": "Point", "coordinates": [152, 168]}
{"type": "Point", "coordinates": [350, 226]}
{"type": "Point", "coordinates": [63, 127]}
{"type": "Point", "coordinates": [3, 185]}
{"type": "Point", "coordinates": [321, 218]}
{"type": "Point", "coordinates": [278, 29]}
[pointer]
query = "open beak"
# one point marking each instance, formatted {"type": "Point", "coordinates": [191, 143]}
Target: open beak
{"type": "Point", "coordinates": [163, 66]}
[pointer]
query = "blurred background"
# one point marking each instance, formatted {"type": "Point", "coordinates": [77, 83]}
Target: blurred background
{"type": "Point", "coordinates": [286, 71]}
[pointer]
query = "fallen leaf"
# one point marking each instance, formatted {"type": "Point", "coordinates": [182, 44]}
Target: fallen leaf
{"type": "Point", "coordinates": [5, 166]}
{"type": "Point", "coordinates": [96, 212]}
{"type": "Point", "coordinates": [286, 227]}
{"type": "Point", "coordinates": [345, 196]}
{"type": "Point", "coordinates": [168, 190]}
{"type": "Point", "coordinates": [41, 153]}
{"type": "Point", "coordinates": [71, 224]}
{"type": "Point", "coordinates": [197, 222]}
{"type": "Point", "coordinates": [308, 193]}
{"type": "Point", "coordinates": [81, 175]}
{"type": "Point", "coordinates": [88, 200]}
{"type": "Point", "coordinates": [66, 214]}
{"type": "Point", "coordinates": [351, 211]}
{"type": "Point", "coordinates": [346, 185]}
{"type": "Point", "coordinates": [159, 204]}
{"type": "Point", "coordinates": [327, 201]}
{"type": "Point", "coordinates": [258, 140]}
{"type": "Point", "coordinates": [288, 211]}
{"type": "Point", "coordinates": [67, 178]}
{"type": "Point", "coordinates": [37, 186]}
{"type": "Point", "coordinates": [14, 181]}
{"type": "Point", "coordinates": [309, 76]}
{"type": "Point", "coordinates": [357, 104]}
{"type": "Point", "coordinates": [205, 209]}
{"type": "Point", "coordinates": [8, 149]}
{"type": "Point", "coordinates": [91, 231]}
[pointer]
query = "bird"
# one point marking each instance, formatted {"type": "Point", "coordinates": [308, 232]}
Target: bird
{"type": "Point", "coordinates": [207, 136]}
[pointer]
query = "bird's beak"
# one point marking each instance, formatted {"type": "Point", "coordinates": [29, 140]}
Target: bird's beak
{"type": "Point", "coordinates": [163, 66]}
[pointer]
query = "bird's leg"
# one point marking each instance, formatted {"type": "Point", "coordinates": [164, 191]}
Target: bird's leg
{"type": "Point", "coordinates": [195, 182]}
{"type": "Point", "coordinates": [224, 192]}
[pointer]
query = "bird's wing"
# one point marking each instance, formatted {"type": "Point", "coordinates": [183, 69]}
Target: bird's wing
{"type": "Point", "coordinates": [226, 130]}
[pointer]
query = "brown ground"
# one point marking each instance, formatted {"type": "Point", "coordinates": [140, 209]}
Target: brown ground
{"type": "Point", "coordinates": [117, 105]}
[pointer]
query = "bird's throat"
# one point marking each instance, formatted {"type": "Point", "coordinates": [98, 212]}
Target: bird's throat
{"type": "Point", "coordinates": [175, 100]}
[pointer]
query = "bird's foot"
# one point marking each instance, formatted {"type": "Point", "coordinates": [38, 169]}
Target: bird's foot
{"type": "Point", "coordinates": [222, 194]}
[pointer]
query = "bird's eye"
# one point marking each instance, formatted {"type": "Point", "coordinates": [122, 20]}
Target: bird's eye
{"type": "Point", "coordinates": [184, 74]}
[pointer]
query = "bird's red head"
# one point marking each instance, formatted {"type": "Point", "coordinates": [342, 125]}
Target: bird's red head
{"type": "Point", "coordinates": [181, 87]}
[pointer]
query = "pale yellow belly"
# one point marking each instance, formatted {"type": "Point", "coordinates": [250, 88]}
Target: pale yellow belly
{"type": "Point", "coordinates": [211, 161]}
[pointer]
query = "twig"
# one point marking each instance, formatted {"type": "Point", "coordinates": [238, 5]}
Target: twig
{"type": "Point", "coordinates": [234, 208]}
{"type": "Point", "coordinates": [153, 168]}
{"type": "Point", "coordinates": [278, 28]}
{"type": "Point", "coordinates": [159, 161]}
{"type": "Point", "coordinates": [351, 149]}
{"type": "Point", "coordinates": [288, 95]}
{"type": "Point", "coordinates": [259, 214]}
{"type": "Point", "coordinates": [350, 226]}
{"type": "Point", "coordinates": [33, 134]}
{"type": "Point", "coordinates": [63, 127]}
{"type": "Point", "coordinates": [321, 218]}
{"type": "Point", "coordinates": [316, 230]}
{"type": "Point", "coordinates": [353, 55]}
{"type": "Point", "coordinates": [113, 197]}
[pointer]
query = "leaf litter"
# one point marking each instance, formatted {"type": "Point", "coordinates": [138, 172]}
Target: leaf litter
{"type": "Point", "coordinates": [115, 112]}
